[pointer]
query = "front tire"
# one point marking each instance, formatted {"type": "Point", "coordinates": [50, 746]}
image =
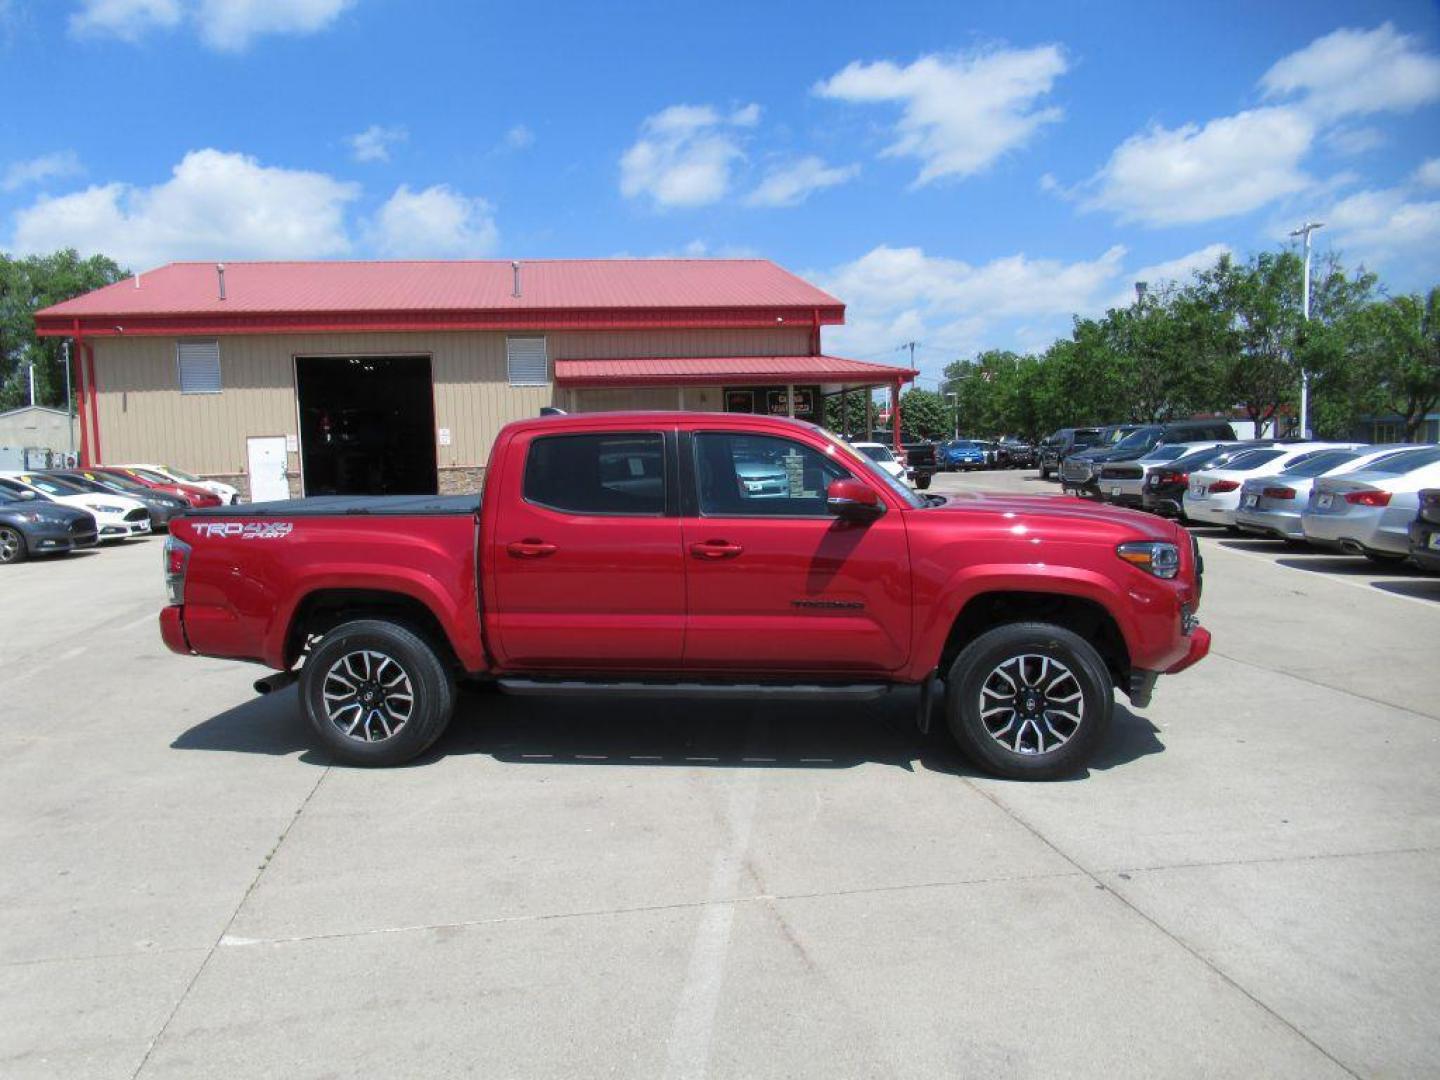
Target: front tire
{"type": "Point", "coordinates": [376, 692]}
{"type": "Point", "coordinates": [922, 482]}
{"type": "Point", "coordinates": [1029, 701]}
{"type": "Point", "coordinates": [12, 545]}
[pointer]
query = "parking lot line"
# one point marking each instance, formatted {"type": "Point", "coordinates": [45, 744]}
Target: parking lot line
{"type": "Point", "coordinates": [1211, 545]}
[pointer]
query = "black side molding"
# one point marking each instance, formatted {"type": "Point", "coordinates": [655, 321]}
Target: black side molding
{"type": "Point", "coordinates": [710, 690]}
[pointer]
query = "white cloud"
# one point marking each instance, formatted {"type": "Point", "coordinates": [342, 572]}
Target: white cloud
{"type": "Point", "coordinates": [1428, 174]}
{"type": "Point", "coordinates": [898, 294]}
{"type": "Point", "coordinates": [959, 113]}
{"type": "Point", "coordinates": [1353, 72]}
{"type": "Point", "coordinates": [128, 20]}
{"type": "Point", "coordinates": [1355, 141]}
{"type": "Point", "coordinates": [685, 154]}
{"type": "Point", "coordinates": [39, 169]}
{"type": "Point", "coordinates": [519, 137]}
{"type": "Point", "coordinates": [434, 223]}
{"type": "Point", "coordinates": [792, 184]}
{"type": "Point", "coordinates": [1391, 229]}
{"type": "Point", "coordinates": [374, 143]}
{"type": "Point", "coordinates": [1190, 174]}
{"type": "Point", "coordinates": [215, 205]}
{"type": "Point", "coordinates": [1173, 271]}
{"type": "Point", "coordinates": [226, 25]}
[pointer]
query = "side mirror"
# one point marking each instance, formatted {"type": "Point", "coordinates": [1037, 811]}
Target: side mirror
{"type": "Point", "coordinates": [853, 501]}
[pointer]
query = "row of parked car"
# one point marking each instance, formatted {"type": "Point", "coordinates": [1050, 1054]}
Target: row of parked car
{"type": "Point", "coordinates": [62, 510]}
{"type": "Point", "coordinates": [964, 455]}
{"type": "Point", "coordinates": [1377, 501]}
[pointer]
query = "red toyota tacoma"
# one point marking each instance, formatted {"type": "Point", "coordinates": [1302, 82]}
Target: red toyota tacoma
{"type": "Point", "coordinates": [681, 554]}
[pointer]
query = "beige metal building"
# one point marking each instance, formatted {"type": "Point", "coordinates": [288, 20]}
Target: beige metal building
{"type": "Point", "coordinates": [325, 377]}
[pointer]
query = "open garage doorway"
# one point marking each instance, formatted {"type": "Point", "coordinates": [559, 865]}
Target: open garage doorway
{"type": "Point", "coordinates": [367, 425]}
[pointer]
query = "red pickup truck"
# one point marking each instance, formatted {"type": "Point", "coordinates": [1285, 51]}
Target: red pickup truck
{"type": "Point", "coordinates": [678, 554]}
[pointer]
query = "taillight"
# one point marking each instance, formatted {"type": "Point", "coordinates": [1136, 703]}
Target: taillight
{"type": "Point", "coordinates": [177, 561]}
{"type": "Point", "coordinates": [1279, 493]}
{"type": "Point", "coordinates": [1168, 477]}
{"type": "Point", "coordinates": [1223, 485]}
{"type": "Point", "coordinates": [1368, 498]}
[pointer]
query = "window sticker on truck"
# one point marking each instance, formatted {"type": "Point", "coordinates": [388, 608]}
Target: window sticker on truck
{"type": "Point", "coordinates": [246, 530]}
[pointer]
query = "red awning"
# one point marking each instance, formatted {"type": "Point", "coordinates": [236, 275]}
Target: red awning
{"type": "Point", "coordinates": [715, 370]}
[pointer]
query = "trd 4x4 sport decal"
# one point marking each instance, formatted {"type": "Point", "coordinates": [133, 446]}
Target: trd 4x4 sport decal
{"type": "Point", "coordinates": [246, 530]}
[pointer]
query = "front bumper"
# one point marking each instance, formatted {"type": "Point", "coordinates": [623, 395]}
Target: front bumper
{"type": "Point", "coordinates": [123, 530]}
{"type": "Point", "coordinates": [48, 539]}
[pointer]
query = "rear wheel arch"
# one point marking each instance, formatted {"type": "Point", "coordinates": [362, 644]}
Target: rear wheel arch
{"type": "Point", "coordinates": [1081, 615]}
{"type": "Point", "coordinates": [324, 609]}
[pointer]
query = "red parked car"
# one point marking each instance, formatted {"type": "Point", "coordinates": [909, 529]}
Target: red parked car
{"type": "Point", "coordinates": [676, 554]}
{"type": "Point", "coordinates": [196, 496]}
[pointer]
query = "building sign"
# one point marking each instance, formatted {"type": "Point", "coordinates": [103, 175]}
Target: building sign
{"type": "Point", "coordinates": [772, 401]}
{"type": "Point", "coordinates": [740, 401]}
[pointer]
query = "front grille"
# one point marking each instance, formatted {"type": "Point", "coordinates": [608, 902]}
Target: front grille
{"type": "Point", "coordinates": [137, 515]}
{"type": "Point", "coordinates": [1121, 472]}
{"type": "Point", "coordinates": [1075, 470]}
{"type": "Point", "coordinates": [80, 528]}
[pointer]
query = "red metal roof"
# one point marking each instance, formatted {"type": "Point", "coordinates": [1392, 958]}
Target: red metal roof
{"type": "Point", "coordinates": [299, 294]}
{"type": "Point", "coordinates": [708, 370]}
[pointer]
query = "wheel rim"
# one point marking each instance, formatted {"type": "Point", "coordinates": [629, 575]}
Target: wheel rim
{"type": "Point", "coordinates": [1032, 704]}
{"type": "Point", "coordinates": [9, 545]}
{"type": "Point", "coordinates": [368, 696]}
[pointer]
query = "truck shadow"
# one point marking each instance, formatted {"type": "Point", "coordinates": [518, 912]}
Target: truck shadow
{"type": "Point", "coordinates": [657, 734]}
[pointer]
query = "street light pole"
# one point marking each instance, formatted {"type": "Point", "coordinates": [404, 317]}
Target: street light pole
{"type": "Point", "coordinates": [954, 413]}
{"type": "Point", "coordinates": [1305, 231]}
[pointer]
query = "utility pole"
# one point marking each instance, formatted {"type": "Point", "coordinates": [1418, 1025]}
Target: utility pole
{"type": "Point", "coordinates": [1305, 231]}
{"type": "Point", "coordinates": [911, 346]}
{"type": "Point", "coordinates": [32, 386]}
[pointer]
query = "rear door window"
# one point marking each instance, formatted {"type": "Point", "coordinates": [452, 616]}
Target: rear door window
{"type": "Point", "coordinates": [602, 474]}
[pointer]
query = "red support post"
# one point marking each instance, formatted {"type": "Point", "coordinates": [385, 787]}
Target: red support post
{"type": "Point", "coordinates": [77, 363]}
{"type": "Point", "coordinates": [895, 413]}
{"type": "Point", "coordinates": [94, 407]}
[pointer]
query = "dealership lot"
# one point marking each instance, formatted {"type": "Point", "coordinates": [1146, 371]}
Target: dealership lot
{"type": "Point", "coordinates": [1243, 885]}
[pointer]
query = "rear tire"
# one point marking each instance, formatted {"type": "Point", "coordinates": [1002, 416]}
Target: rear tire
{"type": "Point", "coordinates": [376, 692]}
{"type": "Point", "coordinates": [1044, 473]}
{"type": "Point", "coordinates": [12, 545]}
{"type": "Point", "coordinates": [1059, 713]}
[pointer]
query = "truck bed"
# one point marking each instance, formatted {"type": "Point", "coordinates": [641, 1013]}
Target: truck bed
{"type": "Point", "coordinates": [350, 506]}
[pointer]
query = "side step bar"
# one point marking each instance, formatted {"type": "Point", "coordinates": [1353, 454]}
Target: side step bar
{"type": "Point", "coordinates": [712, 691]}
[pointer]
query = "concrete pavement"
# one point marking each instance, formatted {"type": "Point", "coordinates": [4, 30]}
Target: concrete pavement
{"type": "Point", "coordinates": [1242, 886]}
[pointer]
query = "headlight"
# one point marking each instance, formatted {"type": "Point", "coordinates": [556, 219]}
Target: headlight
{"type": "Point", "coordinates": [1161, 560]}
{"type": "Point", "coordinates": [105, 508]}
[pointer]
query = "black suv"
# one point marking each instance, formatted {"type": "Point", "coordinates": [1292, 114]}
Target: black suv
{"type": "Point", "coordinates": [1080, 472]}
{"type": "Point", "coordinates": [1056, 447]}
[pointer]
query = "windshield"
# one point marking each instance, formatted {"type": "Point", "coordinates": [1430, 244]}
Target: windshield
{"type": "Point", "coordinates": [83, 483]}
{"type": "Point", "coordinates": [51, 485]}
{"type": "Point", "coordinates": [115, 481]}
{"type": "Point", "coordinates": [154, 478]}
{"type": "Point", "coordinates": [181, 474]}
{"type": "Point", "coordinates": [1140, 440]}
{"type": "Point", "coordinates": [1316, 464]}
{"type": "Point", "coordinates": [877, 453]}
{"type": "Point", "coordinates": [1165, 453]}
{"type": "Point", "coordinates": [870, 469]}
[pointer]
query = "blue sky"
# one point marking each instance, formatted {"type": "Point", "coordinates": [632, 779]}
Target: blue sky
{"type": "Point", "coordinates": [965, 175]}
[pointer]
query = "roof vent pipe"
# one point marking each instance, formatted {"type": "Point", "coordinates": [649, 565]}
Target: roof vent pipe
{"type": "Point", "coordinates": [137, 279]}
{"type": "Point", "coordinates": [220, 273]}
{"type": "Point", "coordinates": [515, 271]}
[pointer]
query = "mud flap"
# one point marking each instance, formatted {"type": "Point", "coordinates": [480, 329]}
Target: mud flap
{"type": "Point", "coordinates": [932, 692]}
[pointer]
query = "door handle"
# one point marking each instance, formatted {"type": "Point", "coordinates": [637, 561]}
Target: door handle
{"type": "Point", "coordinates": [530, 549]}
{"type": "Point", "coordinates": [715, 549]}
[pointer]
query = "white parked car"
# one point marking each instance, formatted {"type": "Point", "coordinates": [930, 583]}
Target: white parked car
{"type": "Point", "coordinates": [117, 517]}
{"type": "Point", "coordinates": [228, 495]}
{"type": "Point", "coordinates": [1213, 495]}
{"type": "Point", "coordinates": [1369, 512]}
{"type": "Point", "coordinates": [884, 457]}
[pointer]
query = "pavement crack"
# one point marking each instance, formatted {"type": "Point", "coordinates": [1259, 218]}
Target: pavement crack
{"type": "Point", "coordinates": [1271, 860]}
{"type": "Point", "coordinates": [1180, 942]}
{"type": "Point", "coordinates": [224, 932]}
{"type": "Point", "coordinates": [1318, 682]}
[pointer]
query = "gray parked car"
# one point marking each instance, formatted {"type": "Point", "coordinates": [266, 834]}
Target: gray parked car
{"type": "Point", "coordinates": [1369, 512]}
{"type": "Point", "coordinates": [1272, 505]}
{"type": "Point", "coordinates": [162, 507]}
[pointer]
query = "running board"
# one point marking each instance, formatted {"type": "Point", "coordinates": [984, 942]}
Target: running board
{"type": "Point", "coordinates": [712, 691]}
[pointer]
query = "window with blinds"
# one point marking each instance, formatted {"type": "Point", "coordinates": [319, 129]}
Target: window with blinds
{"type": "Point", "coordinates": [199, 366]}
{"type": "Point", "coordinates": [526, 362]}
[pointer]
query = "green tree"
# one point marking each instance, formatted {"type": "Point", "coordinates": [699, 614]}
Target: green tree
{"type": "Point", "coordinates": [1395, 344]}
{"type": "Point", "coordinates": [924, 413]}
{"type": "Point", "coordinates": [27, 285]}
{"type": "Point", "coordinates": [835, 418]}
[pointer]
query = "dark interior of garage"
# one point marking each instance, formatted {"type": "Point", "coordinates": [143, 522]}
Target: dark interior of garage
{"type": "Point", "coordinates": [367, 425]}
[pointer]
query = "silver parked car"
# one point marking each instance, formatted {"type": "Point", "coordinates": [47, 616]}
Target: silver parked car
{"type": "Point", "coordinates": [1369, 512]}
{"type": "Point", "coordinates": [1272, 505]}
